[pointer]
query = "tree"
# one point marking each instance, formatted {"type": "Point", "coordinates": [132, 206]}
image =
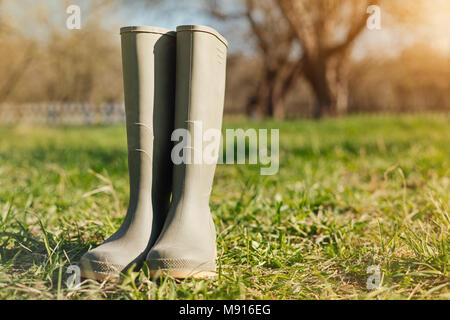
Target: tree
{"type": "Point", "coordinates": [300, 38]}
{"type": "Point", "coordinates": [68, 66]}
{"type": "Point", "coordinates": [12, 41]}
{"type": "Point", "coordinates": [325, 59]}
{"type": "Point", "coordinates": [275, 42]}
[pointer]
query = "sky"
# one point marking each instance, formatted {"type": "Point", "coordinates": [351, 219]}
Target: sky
{"type": "Point", "coordinates": [171, 13]}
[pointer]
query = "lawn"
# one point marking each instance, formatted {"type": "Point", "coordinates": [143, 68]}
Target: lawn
{"type": "Point", "coordinates": [351, 193]}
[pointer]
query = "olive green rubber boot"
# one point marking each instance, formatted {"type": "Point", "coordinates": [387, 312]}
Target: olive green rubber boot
{"type": "Point", "coordinates": [149, 57]}
{"type": "Point", "coordinates": [186, 246]}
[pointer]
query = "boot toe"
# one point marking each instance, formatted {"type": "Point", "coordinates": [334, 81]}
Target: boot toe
{"type": "Point", "coordinates": [98, 265]}
{"type": "Point", "coordinates": [177, 260]}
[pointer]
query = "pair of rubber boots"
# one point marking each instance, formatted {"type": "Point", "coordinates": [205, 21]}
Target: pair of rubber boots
{"type": "Point", "coordinates": [172, 80]}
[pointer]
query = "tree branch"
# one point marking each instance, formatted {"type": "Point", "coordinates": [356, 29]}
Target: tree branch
{"type": "Point", "coordinates": [263, 44]}
{"type": "Point", "coordinates": [293, 74]}
{"type": "Point", "coordinates": [302, 24]}
{"type": "Point", "coordinates": [354, 31]}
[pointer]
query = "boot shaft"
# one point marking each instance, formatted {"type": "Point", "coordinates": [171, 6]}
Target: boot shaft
{"type": "Point", "coordinates": [148, 58]}
{"type": "Point", "coordinates": [187, 244]}
{"type": "Point", "coordinates": [200, 92]}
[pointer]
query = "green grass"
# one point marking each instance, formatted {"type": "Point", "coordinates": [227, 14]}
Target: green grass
{"type": "Point", "coordinates": [350, 193]}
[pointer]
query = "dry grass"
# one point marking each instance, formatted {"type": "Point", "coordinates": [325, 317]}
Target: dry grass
{"type": "Point", "coordinates": [350, 193]}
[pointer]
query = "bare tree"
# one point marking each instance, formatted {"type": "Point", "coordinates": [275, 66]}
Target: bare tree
{"type": "Point", "coordinates": [275, 43]}
{"type": "Point", "coordinates": [13, 71]}
{"type": "Point", "coordinates": [70, 65]}
{"type": "Point", "coordinates": [316, 24]}
{"type": "Point", "coordinates": [324, 30]}
{"type": "Point", "coordinates": [12, 77]}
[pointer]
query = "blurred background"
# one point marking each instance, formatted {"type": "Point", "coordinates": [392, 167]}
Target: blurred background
{"type": "Point", "coordinates": [367, 185]}
{"type": "Point", "coordinates": [287, 59]}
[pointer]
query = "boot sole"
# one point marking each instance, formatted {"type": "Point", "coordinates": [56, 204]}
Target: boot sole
{"type": "Point", "coordinates": [99, 270]}
{"type": "Point", "coordinates": [98, 276]}
{"type": "Point", "coordinates": [183, 274]}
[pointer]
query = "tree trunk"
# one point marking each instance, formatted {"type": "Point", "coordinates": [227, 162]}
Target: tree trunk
{"type": "Point", "coordinates": [259, 104]}
{"type": "Point", "coordinates": [272, 92]}
{"type": "Point", "coordinates": [329, 82]}
{"type": "Point", "coordinates": [278, 107]}
{"type": "Point", "coordinates": [268, 100]}
{"type": "Point", "coordinates": [338, 73]}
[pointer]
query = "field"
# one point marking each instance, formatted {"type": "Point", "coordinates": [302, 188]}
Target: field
{"type": "Point", "coordinates": [351, 193]}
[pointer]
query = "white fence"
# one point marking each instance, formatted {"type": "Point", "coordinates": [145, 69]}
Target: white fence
{"type": "Point", "coordinates": [62, 113]}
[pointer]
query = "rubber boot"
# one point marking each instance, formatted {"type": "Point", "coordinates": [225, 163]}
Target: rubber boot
{"type": "Point", "coordinates": [149, 60]}
{"type": "Point", "coordinates": [186, 246]}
